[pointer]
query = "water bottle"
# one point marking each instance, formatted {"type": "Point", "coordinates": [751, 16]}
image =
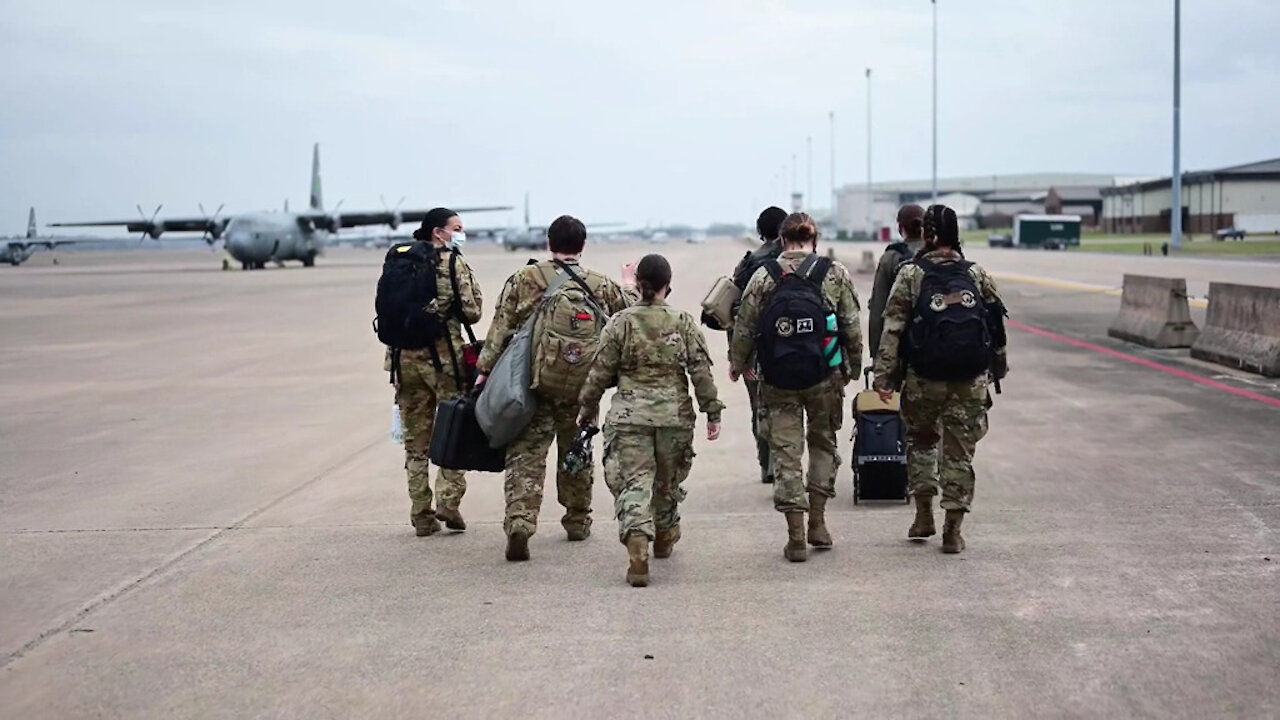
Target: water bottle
{"type": "Point", "coordinates": [397, 425]}
{"type": "Point", "coordinates": [831, 343]}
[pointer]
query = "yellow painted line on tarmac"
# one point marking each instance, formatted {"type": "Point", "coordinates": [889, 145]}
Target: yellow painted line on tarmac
{"type": "Point", "coordinates": [1072, 285]}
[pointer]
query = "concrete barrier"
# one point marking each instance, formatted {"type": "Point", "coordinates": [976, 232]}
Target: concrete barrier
{"type": "Point", "coordinates": [1243, 328]}
{"type": "Point", "coordinates": [868, 264]}
{"type": "Point", "coordinates": [1154, 312]}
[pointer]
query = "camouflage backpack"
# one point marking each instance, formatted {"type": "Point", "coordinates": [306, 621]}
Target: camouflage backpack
{"type": "Point", "coordinates": [566, 335]}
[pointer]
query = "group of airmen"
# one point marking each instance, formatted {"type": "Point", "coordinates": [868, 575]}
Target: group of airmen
{"type": "Point", "coordinates": [653, 353]}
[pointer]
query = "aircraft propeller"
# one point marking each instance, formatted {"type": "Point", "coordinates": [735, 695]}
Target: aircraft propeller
{"type": "Point", "coordinates": [212, 229]}
{"type": "Point", "coordinates": [335, 220]}
{"type": "Point", "coordinates": [150, 227]}
{"type": "Point", "coordinates": [395, 220]}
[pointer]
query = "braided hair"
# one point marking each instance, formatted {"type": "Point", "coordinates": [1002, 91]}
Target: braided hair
{"type": "Point", "coordinates": [941, 228]}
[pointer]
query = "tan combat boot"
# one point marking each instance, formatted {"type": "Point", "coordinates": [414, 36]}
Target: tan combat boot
{"type": "Point", "coordinates": [818, 535]}
{"type": "Point", "coordinates": [665, 542]}
{"type": "Point", "coordinates": [452, 518]}
{"type": "Point", "coordinates": [518, 546]}
{"type": "Point", "coordinates": [952, 543]}
{"type": "Point", "coordinates": [576, 530]}
{"type": "Point", "coordinates": [923, 526]}
{"type": "Point", "coordinates": [795, 550]}
{"type": "Point", "coordinates": [638, 553]}
{"type": "Point", "coordinates": [425, 524]}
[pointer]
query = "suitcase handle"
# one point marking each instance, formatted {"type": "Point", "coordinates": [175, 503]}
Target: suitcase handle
{"type": "Point", "coordinates": [866, 378]}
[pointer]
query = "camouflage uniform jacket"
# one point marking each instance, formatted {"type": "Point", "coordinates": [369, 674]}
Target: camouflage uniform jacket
{"type": "Point", "coordinates": [524, 290]}
{"type": "Point", "coordinates": [886, 273]}
{"type": "Point", "coordinates": [470, 303]}
{"type": "Point", "coordinates": [652, 351]}
{"type": "Point", "coordinates": [838, 292]}
{"type": "Point", "coordinates": [901, 307]}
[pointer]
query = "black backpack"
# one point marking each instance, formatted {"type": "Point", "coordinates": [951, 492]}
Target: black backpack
{"type": "Point", "coordinates": [792, 333]}
{"type": "Point", "coordinates": [407, 286]}
{"type": "Point", "coordinates": [949, 338]}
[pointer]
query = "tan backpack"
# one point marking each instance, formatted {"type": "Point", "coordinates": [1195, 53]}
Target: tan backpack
{"type": "Point", "coordinates": [566, 335]}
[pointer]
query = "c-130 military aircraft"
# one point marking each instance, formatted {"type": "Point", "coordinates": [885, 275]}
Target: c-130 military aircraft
{"type": "Point", "coordinates": [17, 250]}
{"type": "Point", "coordinates": [254, 239]}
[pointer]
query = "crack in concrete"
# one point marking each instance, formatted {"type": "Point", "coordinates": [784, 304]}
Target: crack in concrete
{"type": "Point", "coordinates": [119, 592]}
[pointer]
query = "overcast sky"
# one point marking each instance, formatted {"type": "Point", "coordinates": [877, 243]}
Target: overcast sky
{"type": "Point", "coordinates": [656, 112]}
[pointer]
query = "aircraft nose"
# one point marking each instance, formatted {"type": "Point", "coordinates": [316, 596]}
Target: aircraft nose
{"type": "Point", "coordinates": [237, 243]}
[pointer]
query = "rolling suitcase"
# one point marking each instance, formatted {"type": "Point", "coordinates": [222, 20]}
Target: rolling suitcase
{"type": "Point", "coordinates": [879, 447]}
{"type": "Point", "coordinates": [458, 443]}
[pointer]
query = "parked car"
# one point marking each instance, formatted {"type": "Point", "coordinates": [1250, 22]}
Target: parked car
{"type": "Point", "coordinates": [1233, 233]}
{"type": "Point", "coordinates": [1000, 241]}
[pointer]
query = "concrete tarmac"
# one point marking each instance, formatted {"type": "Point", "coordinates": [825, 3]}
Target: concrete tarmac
{"type": "Point", "coordinates": [202, 515]}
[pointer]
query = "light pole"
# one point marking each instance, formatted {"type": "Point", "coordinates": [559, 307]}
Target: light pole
{"type": "Point", "coordinates": [1175, 212]}
{"type": "Point", "coordinates": [870, 201]}
{"type": "Point", "coordinates": [935, 101]}
{"type": "Point", "coordinates": [835, 222]}
{"type": "Point", "coordinates": [808, 191]}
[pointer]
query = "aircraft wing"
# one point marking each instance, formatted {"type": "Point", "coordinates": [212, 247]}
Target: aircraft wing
{"type": "Point", "coordinates": [348, 219]}
{"type": "Point", "coordinates": [419, 215]}
{"type": "Point", "coordinates": [36, 243]}
{"type": "Point", "coordinates": [142, 225]}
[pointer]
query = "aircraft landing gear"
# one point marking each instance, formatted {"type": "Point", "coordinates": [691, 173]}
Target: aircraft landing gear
{"type": "Point", "coordinates": [309, 260]}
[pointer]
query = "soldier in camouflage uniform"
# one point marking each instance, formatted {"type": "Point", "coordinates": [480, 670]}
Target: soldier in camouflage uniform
{"type": "Point", "coordinates": [787, 410]}
{"type": "Point", "coordinates": [651, 352]}
{"type": "Point", "coordinates": [950, 413]}
{"type": "Point", "coordinates": [428, 377]}
{"type": "Point", "coordinates": [554, 418]}
{"type": "Point", "coordinates": [767, 226]}
{"type": "Point", "coordinates": [911, 228]}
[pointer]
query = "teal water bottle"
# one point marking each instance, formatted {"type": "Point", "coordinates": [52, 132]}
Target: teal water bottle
{"type": "Point", "coordinates": [831, 343]}
{"type": "Point", "coordinates": [397, 425]}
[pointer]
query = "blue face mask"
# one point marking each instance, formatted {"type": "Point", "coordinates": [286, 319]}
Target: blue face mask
{"type": "Point", "coordinates": [458, 238]}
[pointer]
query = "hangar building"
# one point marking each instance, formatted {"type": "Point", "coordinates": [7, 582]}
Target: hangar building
{"type": "Point", "coordinates": [1246, 197]}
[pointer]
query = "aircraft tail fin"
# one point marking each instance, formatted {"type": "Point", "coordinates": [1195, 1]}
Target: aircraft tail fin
{"type": "Point", "coordinates": [526, 211]}
{"type": "Point", "coordinates": [31, 223]}
{"type": "Point", "coordinates": [317, 198]}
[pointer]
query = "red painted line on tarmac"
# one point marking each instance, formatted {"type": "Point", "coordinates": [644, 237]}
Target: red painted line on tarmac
{"type": "Point", "coordinates": [1151, 364]}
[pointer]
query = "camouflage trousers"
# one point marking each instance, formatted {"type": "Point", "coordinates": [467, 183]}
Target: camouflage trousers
{"type": "Point", "coordinates": [421, 389]}
{"type": "Point", "coordinates": [950, 414]}
{"type": "Point", "coordinates": [526, 470]}
{"type": "Point", "coordinates": [645, 468]}
{"type": "Point", "coordinates": [786, 412]}
{"type": "Point", "coordinates": [759, 428]}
